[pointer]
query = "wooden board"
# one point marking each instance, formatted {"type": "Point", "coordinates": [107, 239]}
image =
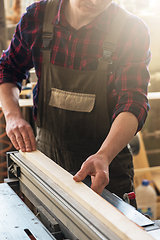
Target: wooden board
{"type": "Point", "coordinates": [154, 170]}
{"type": "Point", "coordinates": [24, 103]}
{"type": "Point", "coordinates": [156, 177]}
{"type": "Point", "coordinates": [154, 95]}
{"type": "Point", "coordinates": [100, 208]}
{"type": "Point", "coordinates": [25, 92]}
{"type": "Point", "coordinates": [140, 161]}
{"type": "Point", "coordinates": [142, 169]}
{"type": "Point", "coordinates": [158, 207]}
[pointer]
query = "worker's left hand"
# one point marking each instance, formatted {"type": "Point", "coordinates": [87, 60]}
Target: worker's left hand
{"type": "Point", "coordinates": [97, 167]}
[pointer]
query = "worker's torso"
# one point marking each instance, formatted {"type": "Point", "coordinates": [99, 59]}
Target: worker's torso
{"type": "Point", "coordinates": [73, 118]}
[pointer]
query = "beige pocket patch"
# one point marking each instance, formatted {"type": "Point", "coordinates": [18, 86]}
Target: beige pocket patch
{"type": "Point", "coordinates": [79, 102]}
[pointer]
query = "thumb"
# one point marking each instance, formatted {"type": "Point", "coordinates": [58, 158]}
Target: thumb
{"type": "Point", "coordinates": [77, 177]}
{"type": "Point", "coordinates": [81, 174]}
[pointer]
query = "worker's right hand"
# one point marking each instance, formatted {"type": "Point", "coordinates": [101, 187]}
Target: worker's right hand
{"type": "Point", "coordinates": [97, 167]}
{"type": "Point", "coordinates": [21, 134]}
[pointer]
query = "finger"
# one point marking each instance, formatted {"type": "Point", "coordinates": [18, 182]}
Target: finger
{"type": "Point", "coordinates": [26, 141]}
{"type": "Point", "coordinates": [78, 177]}
{"type": "Point", "coordinates": [32, 139]}
{"type": "Point", "coordinates": [17, 141]}
{"type": "Point", "coordinates": [13, 140]}
{"type": "Point", "coordinates": [28, 138]}
{"type": "Point", "coordinates": [99, 182]}
{"type": "Point", "coordinates": [20, 141]}
{"type": "Point", "coordinates": [92, 178]}
{"type": "Point", "coordinates": [82, 173]}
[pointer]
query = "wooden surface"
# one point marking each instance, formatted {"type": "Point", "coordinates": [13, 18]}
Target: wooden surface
{"type": "Point", "coordinates": [24, 103]}
{"type": "Point", "coordinates": [152, 170]}
{"type": "Point", "coordinates": [154, 95]}
{"type": "Point", "coordinates": [142, 169]}
{"type": "Point", "coordinates": [140, 161]}
{"type": "Point", "coordinates": [158, 207]}
{"type": "Point", "coordinates": [99, 207]}
{"type": "Point", "coordinates": [156, 178]}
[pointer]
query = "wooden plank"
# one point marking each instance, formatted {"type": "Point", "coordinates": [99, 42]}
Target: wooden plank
{"type": "Point", "coordinates": [149, 169]}
{"type": "Point", "coordinates": [24, 103]}
{"type": "Point", "coordinates": [156, 178]}
{"type": "Point", "coordinates": [25, 92]}
{"type": "Point", "coordinates": [100, 208]}
{"type": "Point", "coordinates": [142, 169]}
{"type": "Point", "coordinates": [158, 207]}
{"type": "Point", "coordinates": [141, 161]}
{"type": "Point", "coordinates": [154, 95]}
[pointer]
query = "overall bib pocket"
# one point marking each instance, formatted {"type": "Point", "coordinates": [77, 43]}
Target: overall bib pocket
{"type": "Point", "coordinates": [72, 101]}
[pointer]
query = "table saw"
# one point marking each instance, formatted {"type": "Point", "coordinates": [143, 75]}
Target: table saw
{"type": "Point", "coordinates": [59, 215]}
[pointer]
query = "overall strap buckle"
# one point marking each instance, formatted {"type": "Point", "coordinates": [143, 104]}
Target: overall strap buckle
{"type": "Point", "coordinates": [108, 49]}
{"type": "Point", "coordinates": [46, 38]}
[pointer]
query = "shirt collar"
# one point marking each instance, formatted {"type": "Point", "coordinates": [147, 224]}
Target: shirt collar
{"type": "Point", "coordinates": [101, 22]}
{"type": "Point", "coordinates": [60, 17]}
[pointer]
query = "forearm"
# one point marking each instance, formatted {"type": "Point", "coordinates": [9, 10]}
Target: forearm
{"type": "Point", "coordinates": [9, 96]}
{"type": "Point", "coordinates": [18, 130]}
{"type": "Point", "coordinates": [122, 131]}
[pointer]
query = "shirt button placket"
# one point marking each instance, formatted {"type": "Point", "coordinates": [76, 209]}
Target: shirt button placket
{"type": "Point", "coordinates": [69, 62]}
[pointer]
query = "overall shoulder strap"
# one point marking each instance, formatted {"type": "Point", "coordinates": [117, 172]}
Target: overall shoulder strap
{"type": "Point", "coordinates": [50, 12]}
{"type": "Point", "coordinates": [110, 43]}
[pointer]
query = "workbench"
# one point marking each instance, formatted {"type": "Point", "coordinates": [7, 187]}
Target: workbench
{"type": "Point", "coordinates": [16, 220]}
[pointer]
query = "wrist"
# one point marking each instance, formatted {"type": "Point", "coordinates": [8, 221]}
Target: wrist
{"type": "Point", "coordinates": [10, 116]}
{"type": "Point", "coordinates": [104, 155]}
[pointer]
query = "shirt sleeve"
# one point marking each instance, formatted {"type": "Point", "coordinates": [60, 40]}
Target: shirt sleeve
{"type": "Point", "coordinates": [132, 75]}
{"type": "Point", "coordinates": [16, 61]}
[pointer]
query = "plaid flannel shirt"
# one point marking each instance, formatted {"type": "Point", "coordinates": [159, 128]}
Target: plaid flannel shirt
{"type": "Point", "coordinates": [128, 77]}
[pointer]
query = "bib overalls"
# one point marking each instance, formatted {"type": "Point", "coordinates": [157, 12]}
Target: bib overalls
{"type": "Point", "coordinates": [73, 119]}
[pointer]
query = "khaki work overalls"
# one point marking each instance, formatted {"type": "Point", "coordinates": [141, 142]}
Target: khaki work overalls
{"type": "Point", "coordinates": [73, 120]}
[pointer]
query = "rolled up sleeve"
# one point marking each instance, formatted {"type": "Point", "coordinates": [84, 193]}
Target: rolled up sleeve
{"type": "Point", "coordinates": [16, 61]}
{"type": "Point", "coordinates": [132, 75]}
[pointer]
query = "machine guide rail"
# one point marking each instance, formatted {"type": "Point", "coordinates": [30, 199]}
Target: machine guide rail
{"type": "Point", "coordinates": [63, 216]}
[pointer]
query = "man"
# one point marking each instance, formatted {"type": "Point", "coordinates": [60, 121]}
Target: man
{"type": "Point", "coordinates": [90, 99]}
